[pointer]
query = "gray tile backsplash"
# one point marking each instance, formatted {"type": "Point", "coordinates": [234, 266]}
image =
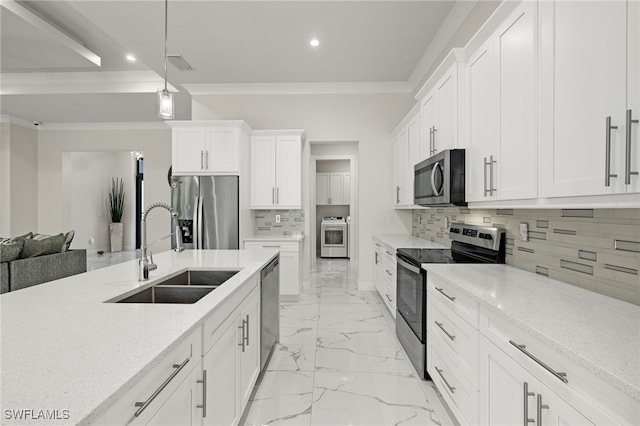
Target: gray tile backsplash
{"type": "Point", "coordinates": [291, 222]}
{"type": "Point", "coordinates": [597, 249]}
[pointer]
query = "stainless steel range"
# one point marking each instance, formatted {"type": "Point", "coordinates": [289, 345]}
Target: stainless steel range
{"type": "Point", "coordinates": [470, 244]}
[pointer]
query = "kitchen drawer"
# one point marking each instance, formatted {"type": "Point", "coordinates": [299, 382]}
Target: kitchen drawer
{"type": "Point", "coordinates": [453, 298]}
{"type": "Point", "coordinates": [187, 355]}
{"type": "Point", "coordinates": [445, 328]}
{"type": "Point", "coordinates": [211, 327]}
{"type": "Point", "coordinates": [389, 270]}
{"type": "Point", "coordinates": [461, 397]}
{"type": "Point", "coordinates": [278, 245]}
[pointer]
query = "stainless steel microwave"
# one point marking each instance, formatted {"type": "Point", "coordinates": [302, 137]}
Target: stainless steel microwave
{"type": "Point", "coordinates": [439, 180]}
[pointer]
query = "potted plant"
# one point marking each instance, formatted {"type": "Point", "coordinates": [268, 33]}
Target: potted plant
{"type": "Point", "coordinates": [116, 210]}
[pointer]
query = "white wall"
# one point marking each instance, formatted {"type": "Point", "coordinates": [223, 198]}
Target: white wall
{"type": "Point", "coordinates": [368, 119]}
{"type": "Point", "coordinates": [54, 143]}
{"type": "Point", "coordinates": [86, 185]}
{"type": "Point", "coordinates": [19, 165]}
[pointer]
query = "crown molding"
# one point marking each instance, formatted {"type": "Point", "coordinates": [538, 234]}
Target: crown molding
{"type": "Point", "coordinates": [105, 126]}
{"type": "Point", "coordinates": [447, 30]}
{"type": "Point", "coordinates": [298, 88]}
{"type": "Point", "coordinates": [5, 118]}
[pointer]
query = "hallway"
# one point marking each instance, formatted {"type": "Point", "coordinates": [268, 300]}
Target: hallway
{"type": "Point", "coordinates": [339, 363]}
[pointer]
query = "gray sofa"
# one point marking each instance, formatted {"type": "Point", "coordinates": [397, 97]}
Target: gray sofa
{"type": "Point", "coordinates": [22, 273]}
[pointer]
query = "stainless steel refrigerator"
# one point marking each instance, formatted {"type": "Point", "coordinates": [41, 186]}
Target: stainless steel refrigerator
{"type": "Point", "coordinates": [207, 208]}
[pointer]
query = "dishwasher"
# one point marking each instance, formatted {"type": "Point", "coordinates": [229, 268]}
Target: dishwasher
{"type": "Point", "coordinates": [269, 309]}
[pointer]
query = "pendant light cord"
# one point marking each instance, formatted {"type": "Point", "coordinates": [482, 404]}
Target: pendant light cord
{"type": "Point", "coordinates": [166, 13]}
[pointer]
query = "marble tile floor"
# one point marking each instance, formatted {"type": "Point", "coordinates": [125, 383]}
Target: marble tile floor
{"type": "Point", "coordinates": [339, 363]}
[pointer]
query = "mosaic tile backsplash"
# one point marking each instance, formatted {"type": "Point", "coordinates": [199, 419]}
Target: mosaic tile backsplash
{"type": "Point", "coordinates": [291, 222]}
{"type": "Point", "coordinates": [595, 249]}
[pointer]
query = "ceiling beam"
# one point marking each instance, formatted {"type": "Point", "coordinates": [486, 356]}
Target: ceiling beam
{"type": "Point", "coordinates": [51, 30]}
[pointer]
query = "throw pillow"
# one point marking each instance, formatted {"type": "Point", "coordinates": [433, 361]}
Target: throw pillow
{"type": "Point", "coordinates": [10, 249]}
{"type": "Point", "coordinates": [41, 247]}
{"type": "Point", "coordinates": [68, 237]}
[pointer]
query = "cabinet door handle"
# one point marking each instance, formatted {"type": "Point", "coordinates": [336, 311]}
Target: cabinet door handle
{"type": "Point", "coordinates": [445, 294]}
{"type": "Point", "coordinates": [243, 332]}
{"type": "Point", "coordinates": [201, 160]}
{"type": "Point", "coordinates": [143, 405]}
{"type": "Point", "coordinates": [526, 395]}
{"type": "Point", "coordinates": [450, 336]}
{"type": "Point", "coordinates": [277, 195]}
{"type": "Point", "coordinates": [430, 141]}
{"type": "Point", "coordinates": [273, 195]}
{"type": "Point", "coordinates": [541, 407]}
{"type": "Point", "coordinates": [607, 154]}
{"type": "Point", "coordinates": [627, 164]}
{"type": "Point", "coordinates": [247, 336]}
{"type": "Point", "coordinates": [451, 388]}
{"type": "Point", "coordinates": [522, 348]}
{"type": "Point", "coordinates": [375, 253]}
{"type": "Point", "coordinates": [491, 188]}
{"type": "Point", "coordinates": [486, 163]}
{"type": "Point", "coordinates": [397, 194]}
{"type": "Point", "coordinates": [434, 140]}
{"type": "Point", "coordinates": [204, 394]}
{"type": "Point", "coordinates": [207, 159]}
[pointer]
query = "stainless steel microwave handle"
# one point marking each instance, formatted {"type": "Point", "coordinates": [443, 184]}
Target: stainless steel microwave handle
{"type": "Point", "coordinates": [407, 266]}
{"type": "Point", "coordinates": [433, 179]}
{"type": "Point", "coordinates": [627, 165]}
{"type": "Point", "coordinates": [607, 154]}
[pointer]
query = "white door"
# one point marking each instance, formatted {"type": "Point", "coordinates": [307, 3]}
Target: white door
{"type": "Point", "coordinates": [481, 113]}
{"type": "Point", "coordinates": [288, 172]}
{"type": "Point", "coordinates": [221, 365]}
{"type": "Point", "coordinates": [249, 339]}
{"type": "Point", "coordinates": [322, 189]}
{"type": "Point", "coordinates": [336, 190]}
{"type": "Point", "coordinates": [446, 135]}
{"type": "Point", "coordinates": [556, 411]}
{"type": "Point", "coordinates": [515, 57]}
{"type": "Point", "coordinates": [188, 150]}
{"type": "Point", "coordinates": [583, 81]}
{"type": "Point", "coordinates": [223, 150]}
{"type": "Point", "coordinates": [263, 163]}
{"type": "Point", "coordinates": [180, 408]}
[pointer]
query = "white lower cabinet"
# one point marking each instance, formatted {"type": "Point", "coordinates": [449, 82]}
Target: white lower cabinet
{"type": "Point", "coordinates": [249, 347]}
{"type": "Point", "coordinates": [290, 263]}
{"type": "Point", "coordinates": [184, 405]}
{"type": "Point", "coordinates": [384, 274]}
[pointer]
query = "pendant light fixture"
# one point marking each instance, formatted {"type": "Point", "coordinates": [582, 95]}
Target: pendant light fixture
{"type": "Point", "coordinates": [165, 97]}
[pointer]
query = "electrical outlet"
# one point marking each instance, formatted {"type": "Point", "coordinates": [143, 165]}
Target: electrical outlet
{"type": "Point", "coordinates": [277, 218]}
{"type": "Point", "coordinates": [446, 222]}
{"type": "Point", "coordinates": [92, 240]}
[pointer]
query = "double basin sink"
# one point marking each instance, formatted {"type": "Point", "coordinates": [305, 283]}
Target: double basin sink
{"type": "Point", "coordinates": [185, 288]}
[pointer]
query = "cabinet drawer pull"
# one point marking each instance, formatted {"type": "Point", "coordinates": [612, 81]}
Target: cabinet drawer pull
{"type": "Point", "coordinates": [627, 158]}
{"type": "Point", "coordinates": [522, 348]}
{"type": "Point", "coordinates": [387, 271]}
{"type": "Point", "coordinates": [527, 394]}
{"type": "Point", "coordinates": [390, 300]}
{"type": "Point", "coordinates": [271, 247]}
{"type": "Point", "coordinates": [607, 154]}
{"type": "Point", "coordinates": [445, 294]}
{"type": "Point", "coordinates": [377, 245]}
{"type": "Point", "coordinates": [204, 394]}
{"type": "Point", "coordinates": [451, 388]}
{"type": "Point", "coordinates": [143, 405]}
{"type": "Point", "coordinates": [390, 254]}
{"type": "Point", "coordinates": [541, 407]}
{"type": "Point", "coordinates": [439, 324]}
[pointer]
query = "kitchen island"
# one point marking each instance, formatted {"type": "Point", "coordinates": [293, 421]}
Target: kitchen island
{"type": "Point", "coordinates": [66, 351]}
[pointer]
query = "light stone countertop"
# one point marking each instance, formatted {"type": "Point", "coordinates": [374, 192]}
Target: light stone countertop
{"type": "Point", "coordinates": [599, 333]}
{"type": "Point", "coordinates": [396, 241]}
{"type": "Point", "coordinates": [63, 348]}
{"type": "Point", "coordinates": [278, 238]}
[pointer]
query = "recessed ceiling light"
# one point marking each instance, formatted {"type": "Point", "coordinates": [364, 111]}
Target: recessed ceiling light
{"type": "Point", "coordinates": [315, 42]}
{"type": "Point", "coordinates": [131, 58]}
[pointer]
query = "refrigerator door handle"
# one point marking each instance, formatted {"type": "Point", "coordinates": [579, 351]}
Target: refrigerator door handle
{"type": "Point", "coordinates": [195, 223]}
{"type": "Point", "coordinates": [200, 230]}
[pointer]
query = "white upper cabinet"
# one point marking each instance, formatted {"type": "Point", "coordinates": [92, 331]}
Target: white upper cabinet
{"type": "Point", "coordinates": [331, 188]}
{"type": "Point", "coordinates": [208, 147]}
{"type": "Point", "coordinates": [501, 117]}
{"type": "Point", "coordinates": [440, 101]}
{"type": "Point", "coordinates": [276, 169]}
{"type": "Point", "coordinates": [589, 80]}
{"type": "Point", "coordinates": [406, 153]}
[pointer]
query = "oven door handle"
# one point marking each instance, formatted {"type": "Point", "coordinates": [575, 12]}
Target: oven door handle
{"type": "Point", "coordinates": [407, 265]}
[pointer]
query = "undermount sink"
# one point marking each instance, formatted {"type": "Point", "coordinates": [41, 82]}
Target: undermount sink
{"type": "Point", "coordinates": [185, 288]}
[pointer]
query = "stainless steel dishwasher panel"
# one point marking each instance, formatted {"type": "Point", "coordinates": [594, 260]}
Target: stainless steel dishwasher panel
{"type": "Point", "coordinates": [270, 309]}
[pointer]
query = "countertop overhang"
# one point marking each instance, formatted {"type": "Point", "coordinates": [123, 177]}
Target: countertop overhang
{"type": "Point", "coordinates": [64, 348]}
